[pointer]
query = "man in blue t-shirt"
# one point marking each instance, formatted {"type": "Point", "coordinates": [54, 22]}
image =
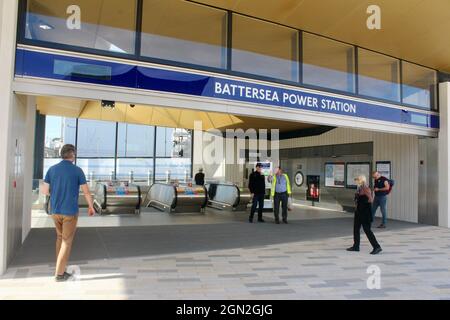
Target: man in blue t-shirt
{"type": "Point", "coordinates": [62, 183]}
{"type": "Point", "coordinates": [381, 190]}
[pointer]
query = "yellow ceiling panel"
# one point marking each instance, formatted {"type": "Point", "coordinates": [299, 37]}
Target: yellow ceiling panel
{"type": "Point", "coordinates": [139, 114]}
{"type": "Point", "coordinates": [60, 106]}
{"type": "Point", "coordinates": [204, 118]}
{"type": "Point", "coordinates": [92, 110]}
{"type": "Point", "coordinates": [118, 114]}
{"type": "Point", "coordinates": [188, 118]}
{"type": "Point", "coordinates": [220, 120]}
{"type": "Point", "coordinates": [164, 118]}
{"type": "Point", "coordinates": [159, 116]}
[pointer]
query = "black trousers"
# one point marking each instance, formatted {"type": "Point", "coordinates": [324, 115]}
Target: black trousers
{"type": "Point", "coordinates": [258, 201]}
{"type": "Point", "coordinates": [367, 230]}
{"type": "Point", "coordinates": [283, 198]}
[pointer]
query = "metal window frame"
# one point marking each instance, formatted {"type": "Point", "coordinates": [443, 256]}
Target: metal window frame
{"type": "Point", "coordinates": [228, 70]}
{"type": "Point", "coordinates": [116, 156]}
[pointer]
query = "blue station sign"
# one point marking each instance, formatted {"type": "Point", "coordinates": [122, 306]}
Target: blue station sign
{"type": "Point", "coordinates": [46, 65]}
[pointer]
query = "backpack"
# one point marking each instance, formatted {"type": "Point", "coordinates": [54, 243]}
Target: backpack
{"type": "Point", "coordinates": [391, 185]}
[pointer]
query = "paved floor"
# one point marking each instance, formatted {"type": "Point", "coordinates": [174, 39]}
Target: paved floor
{"type": "Point", "coordinates": [193, 258]}
{"type": "Point", "coordinates": [153, 217]}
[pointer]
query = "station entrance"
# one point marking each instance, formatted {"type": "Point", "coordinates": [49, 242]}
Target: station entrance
{"type": "Point", "coordinates": [141, 159]}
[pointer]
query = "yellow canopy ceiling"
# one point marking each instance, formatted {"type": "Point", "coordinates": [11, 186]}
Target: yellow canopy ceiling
{"type": "Point", "coordinates": [158, 116]}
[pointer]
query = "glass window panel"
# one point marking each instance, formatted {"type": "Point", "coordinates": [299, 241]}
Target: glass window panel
{"type": "Point", "coordinates": [139, 166]}
{"type": "Point", "coordinates": [164, 142]}
{"type": "Point", "coordinates": [104, 25]}
{"type": "Point", "coordinates": [178, 168]}
{"type": "Point", "coordinates": [264, 48]}
{"type": "Point", "coordinates": [378, 75]}
{"type": "Point", "coordinates": [58, 132]}
{"type": "Point", "coordinates": [328, 63]}
{"type": "Point", "coordinates": [135, 140]}
{"type": "Point", "coordinates": [50, 162]}
{"type": "Point", "coordinates": [419, 86]}
{"type": "Point", "coordinates": [96, 138]}
{"type": "Point", "coordinates": [184, 31]}
{"type": "Point", "coordinates": [100, 168]}
{"type": "Point", "coordinates": [173, 143]}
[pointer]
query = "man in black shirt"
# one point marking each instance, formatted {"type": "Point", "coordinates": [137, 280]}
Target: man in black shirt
{"type": "Point", "coordinates": [257, 186]}
{"type": "Point", "coordinates": [381, 189]}
{"type": "Point", "coordinates": [200, 178]}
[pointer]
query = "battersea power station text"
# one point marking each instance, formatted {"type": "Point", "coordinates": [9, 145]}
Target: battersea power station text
{"type": "Point", "coordinates": [280, 97]}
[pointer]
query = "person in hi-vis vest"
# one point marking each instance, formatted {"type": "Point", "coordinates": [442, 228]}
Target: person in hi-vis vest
{"type": "Point", "coordinates": [281, 191]}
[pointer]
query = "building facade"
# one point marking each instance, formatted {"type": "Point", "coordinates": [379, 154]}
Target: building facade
{"type": "Point", "coordinates": [126, 81]}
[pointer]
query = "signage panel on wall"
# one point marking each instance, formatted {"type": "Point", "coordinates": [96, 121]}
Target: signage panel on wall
{"type": "Point", "coordinates": [384, 168]}
{"type": "Point", "coordinates": [335, 175]}
{"type": "Point", "coordinates": [356, 169]}
{"type": "Point", "coordinates": [131, 75]}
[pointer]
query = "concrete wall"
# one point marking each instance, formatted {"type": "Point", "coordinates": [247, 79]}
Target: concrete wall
{"type": "Point", "coordinates": [444, 156]}
{"type": "Point", "coordinates": [28, 139]}
{"type": "Point", "coordinates": [13, 116]}
{"type": "Point", "coordinates": [428, 197]}
{"type": "Point", "coordinates": [18, 182]}
{"type": "Point", "coordinates": [16, 171]}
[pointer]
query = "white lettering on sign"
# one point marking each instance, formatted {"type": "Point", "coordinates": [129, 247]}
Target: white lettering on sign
{"type": "Point", "coordinates": [234, 90]}
{"type": "Point", "coordinates": [301, 100]}
{"type": "Point", "coordinates": [287, 98]}
{"type": "Point", "coordinates": [74, 20]}
{"type": "Point", "coordinates": [338, 106]}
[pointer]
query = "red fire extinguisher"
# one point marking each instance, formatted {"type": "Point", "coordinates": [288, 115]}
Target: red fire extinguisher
{"type": "Point", "coordinates": [314, 192]}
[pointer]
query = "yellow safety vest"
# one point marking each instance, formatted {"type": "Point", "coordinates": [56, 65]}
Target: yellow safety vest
{"type": "Point", "coordinates": [274, 183]}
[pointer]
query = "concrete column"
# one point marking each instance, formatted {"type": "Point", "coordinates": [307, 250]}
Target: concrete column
{"type": "Point", "coordinates": [8, 27]}
{"type": "Point", "coordinates": [444, 155]}
{"type": "Point", "coordinates": [28, 163]}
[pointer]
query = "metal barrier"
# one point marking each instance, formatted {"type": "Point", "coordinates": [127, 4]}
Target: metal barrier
{"type": "Point", "coordinates": [227, 196]}
{"type": "Point", "coordinates": [117, 197]}
{"type": "Point", "coordinates": [178, 199]}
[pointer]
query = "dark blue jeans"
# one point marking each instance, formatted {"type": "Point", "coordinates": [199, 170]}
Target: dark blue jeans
{"type": "Point", "coordinates": [258, 201]}
{"type": "Point", "coordinates": [381, 202]}
{"type": "Point", "coordinates": [283, 198]}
